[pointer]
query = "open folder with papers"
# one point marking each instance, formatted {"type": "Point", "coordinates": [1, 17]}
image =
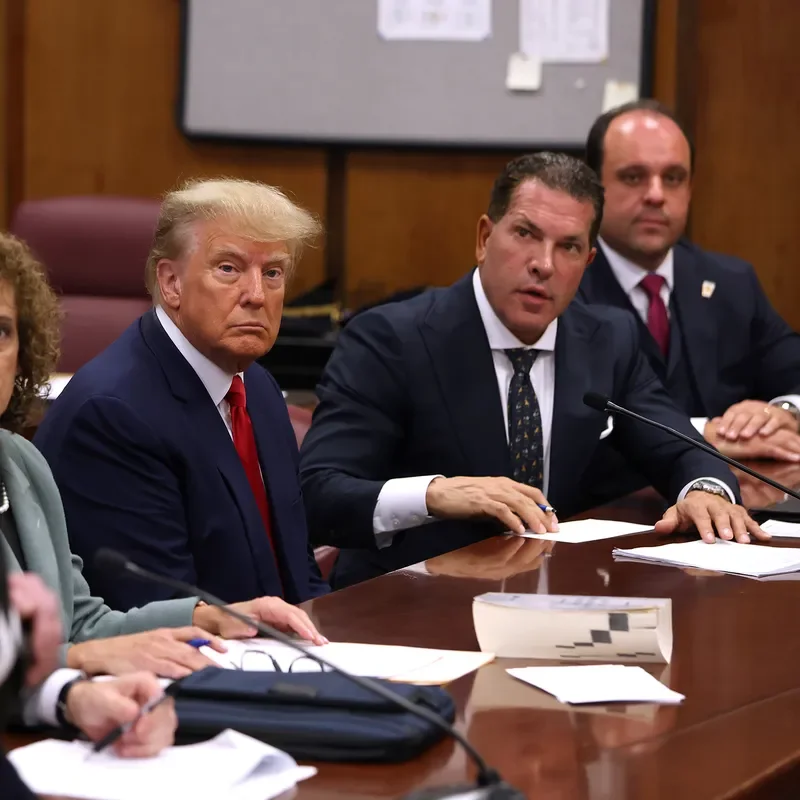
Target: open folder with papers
{"type": "Point", "coordinates": [749, 560]}
{"type": "Point", "coordinates": [418, 665]}
{"type": "Point", "coordinates": [230, 766]}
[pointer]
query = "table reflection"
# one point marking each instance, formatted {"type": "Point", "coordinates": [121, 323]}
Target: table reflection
{"type": "Point", "coordinates": [494, 559]}
{"type": "Point", "coordinates": [757, 494]}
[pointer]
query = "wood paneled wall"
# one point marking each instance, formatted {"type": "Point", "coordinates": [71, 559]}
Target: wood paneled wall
{"type": "Point", "coordinates": [3, 112]}
{"type": "Point", "coordinates": [98, 115]}
{"type": "Point", "coordinates": [746, 129]}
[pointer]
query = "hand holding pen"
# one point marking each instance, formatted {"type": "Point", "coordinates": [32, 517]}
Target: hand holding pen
{"type": "Point", "coordinates": [132, 713]}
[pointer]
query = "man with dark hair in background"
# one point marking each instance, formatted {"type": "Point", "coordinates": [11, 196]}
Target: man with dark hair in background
{"type": "Point", "coordinates": [462, 408]}
{"type": "Point", "coordinates": [724, 354]}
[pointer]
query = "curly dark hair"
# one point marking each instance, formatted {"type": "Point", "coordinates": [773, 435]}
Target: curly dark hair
{"type": "Point", "coordinates": [38, 319]}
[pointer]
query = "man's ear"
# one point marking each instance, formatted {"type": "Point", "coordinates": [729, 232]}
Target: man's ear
{"type": "Point", "coordinates": [592, 254]}
{"type": "Point", "coordinates": [485, 228]}
{"type": "Point", "coordinates": [168, 275]}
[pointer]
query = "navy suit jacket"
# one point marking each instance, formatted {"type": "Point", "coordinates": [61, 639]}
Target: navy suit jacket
{"type": "Point", "coordinates": [737, 347]}
{"type": "Point", "coordinates": [145, 464]}
{"type": "Point", "coordinates": [411, 390]}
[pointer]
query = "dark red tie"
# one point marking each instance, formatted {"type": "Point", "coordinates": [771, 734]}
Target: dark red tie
{"type": "Point", "coordinates": [245, 443]}
{"type": "Point", "coordinates": [657, 319]}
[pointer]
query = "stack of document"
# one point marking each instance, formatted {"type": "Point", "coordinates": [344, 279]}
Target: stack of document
{"type": "Point", "coordinates": [230, 766]}
{"type": "Point", "coordinates": [606, 683]}
{"type": "Point", "coordinates": [588, 530]}
{"type": "Point", "coordinates": [404, 664]}
{"type": "Point", "coordinates": [750, 560]}
{"type": "Point", "coordinates": [575, 628]}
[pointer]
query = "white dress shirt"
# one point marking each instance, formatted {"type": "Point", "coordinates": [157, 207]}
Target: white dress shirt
{"type": "Point", "coordinates": [40, 707]}
{"type": "Point", "coordinates": [216, 380]}
{"type": "Point", "coordinates": [401, 502]}
{"type": "Point", "coordinates": [629, 277]}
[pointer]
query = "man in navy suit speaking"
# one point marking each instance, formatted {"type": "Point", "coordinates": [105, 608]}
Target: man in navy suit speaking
{"type": "Point", "coordinates": [724, 354]}
{"type": "Point", "coordinates": [172, 445]}
{"type": "Point", "coordinates": [444, 415]}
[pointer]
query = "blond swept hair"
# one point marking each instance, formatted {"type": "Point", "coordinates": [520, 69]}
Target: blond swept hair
{"type": "Point", "coordinates": [255, 210]}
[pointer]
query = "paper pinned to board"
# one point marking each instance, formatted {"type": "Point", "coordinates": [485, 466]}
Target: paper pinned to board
{"type": "Point", "coordinates": [587, 530]}
{"type": "Point", "coordinates": [435, 20]}
{"type": "Point", "coordinates": [617, 93]}
{"type": "Point", "coordinates": [243, 769]}
{"type": "Point", "coordinates": [556, 31]}
{"type": "Point", "coordinates": [604, 683]}
{"type": "Point", "coordinates": [524, 73]}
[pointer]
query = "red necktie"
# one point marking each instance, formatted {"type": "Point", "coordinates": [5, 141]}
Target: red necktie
{"type": "Point", "coordinates": [245, 443]}
{"type": "Point", "coordinates": [657, 319]}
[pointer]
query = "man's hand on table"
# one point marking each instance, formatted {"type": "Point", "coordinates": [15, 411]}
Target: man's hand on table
{"type": "Point", "coordinates": [516, 505]}
{"type": "Point", "coordinates": [710, 513]}
{"type": "Point", "coordinates": [782, 445]}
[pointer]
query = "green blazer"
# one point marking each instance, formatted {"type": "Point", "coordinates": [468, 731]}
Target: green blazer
{"type": "Point", "coordinates": [39, 517]}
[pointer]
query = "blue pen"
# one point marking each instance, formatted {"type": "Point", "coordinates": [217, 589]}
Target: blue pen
{"type": "Point", "coordinates": [198, 642]}
{"type": "Point", "coordinates": [548, 509]}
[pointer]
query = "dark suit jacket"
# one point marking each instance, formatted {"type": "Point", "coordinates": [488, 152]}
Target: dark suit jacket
{"type": "Point", "coordinates": [145, 464]}
{"type": "Point", "coordinates": [737, 347]}
{"type": "Point", "coordinates": [411, 390]}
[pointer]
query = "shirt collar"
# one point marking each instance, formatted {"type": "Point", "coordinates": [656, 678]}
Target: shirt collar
{"type": "Point", "coordinates": [629, 275]}
{"type": "Point", "coordinates": [216, 380]}
{"type": "Point", "coordinates": [500, 337]}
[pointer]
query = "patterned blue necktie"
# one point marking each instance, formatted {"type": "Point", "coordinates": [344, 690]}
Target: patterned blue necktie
{"type": "Point", "coordinates": [524, 421]}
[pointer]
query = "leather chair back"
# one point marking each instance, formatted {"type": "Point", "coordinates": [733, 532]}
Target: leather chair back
{"type": "Point", "coordinates": [94, 249]}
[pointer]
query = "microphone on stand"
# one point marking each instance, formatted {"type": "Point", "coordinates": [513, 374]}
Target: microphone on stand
{"type": "Point", "coordinates": [600, 402]}
{"type": "Point", "coordinates": [489, 784]}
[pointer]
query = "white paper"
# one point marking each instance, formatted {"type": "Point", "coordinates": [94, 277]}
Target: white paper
{"type": "Point", "coordinates": [389, 662]}
{"type": "Point", "coordinates": [587, 530]}
{"type": "Point", "coordinates": [617, 93]}
{"type": "Point", "coordinates": [231, 765]}
{"type": "Point", "coordinates": [435, 20]}
{"type": "Point", "coordinates": [564, 31]}
{"type": "Point", "coordinates": [524, 73]}
{"type": "Point", "coordinates": [781, 529]}
{"type": "Point", "coordinates": [750, 560]}
{"type": "Point", "coordinates": [605, 683]}
{"type": "Point", "coordinates": [55, 385]}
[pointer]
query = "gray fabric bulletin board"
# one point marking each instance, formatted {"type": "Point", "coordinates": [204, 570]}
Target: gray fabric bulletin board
{"type": "Point", "coordinates": [317, 71]}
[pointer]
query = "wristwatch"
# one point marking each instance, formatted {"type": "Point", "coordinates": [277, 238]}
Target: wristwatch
{"type": "Point", "coordinates": [710, 487]}
{"type": "Point", "coordinates": [792, 409]}
{"type": "Point", "coordinates": [61, 706]}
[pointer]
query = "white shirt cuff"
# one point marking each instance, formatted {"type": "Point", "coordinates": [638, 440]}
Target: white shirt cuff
{"type": "Point", "coordinates": [401, 505]}
{"type": "Point", "coordinates": [699, 424]}
{"type": "Point", "coordinates": [794, 399]}
{"type": "Point", "coordinates": [40, 708]}
{"type": "Point", "coordinates": [718, 482]}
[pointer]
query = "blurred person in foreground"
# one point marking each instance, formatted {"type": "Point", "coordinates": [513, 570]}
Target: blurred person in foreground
{"type": "Point", "coordinates": [173, 445]}
{"type": "Point", "coordinates": [33, 688]}
{"type": "Point", "coordinates": [33, 532]}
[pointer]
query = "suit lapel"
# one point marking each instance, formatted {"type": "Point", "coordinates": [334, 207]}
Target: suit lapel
{"type": "Point", "coordinates": [576, 427]}
{"type": "Point", "coordinates": [462, 363]}
{"type": "Point", "coordinates": [204, 417]}
{"type": "Point", "coordinates": [698, 323]}
{"type": "Point", "coordinates": [602, 287]}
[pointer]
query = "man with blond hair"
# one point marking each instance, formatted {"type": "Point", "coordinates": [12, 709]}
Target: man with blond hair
{"type": "Point", "coordinates": [173, 445]}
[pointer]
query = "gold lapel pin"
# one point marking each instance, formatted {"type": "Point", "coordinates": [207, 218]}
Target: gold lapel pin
{"type": "Point", "coordinates": [708, 289]}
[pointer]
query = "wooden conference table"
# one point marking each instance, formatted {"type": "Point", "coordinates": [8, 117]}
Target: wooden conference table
{"type": "Point", "coordinates": [736, 658]}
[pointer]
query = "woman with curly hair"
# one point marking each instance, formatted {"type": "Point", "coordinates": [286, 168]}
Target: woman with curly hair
{"type": "Point", "coordinates": [33, 531]}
